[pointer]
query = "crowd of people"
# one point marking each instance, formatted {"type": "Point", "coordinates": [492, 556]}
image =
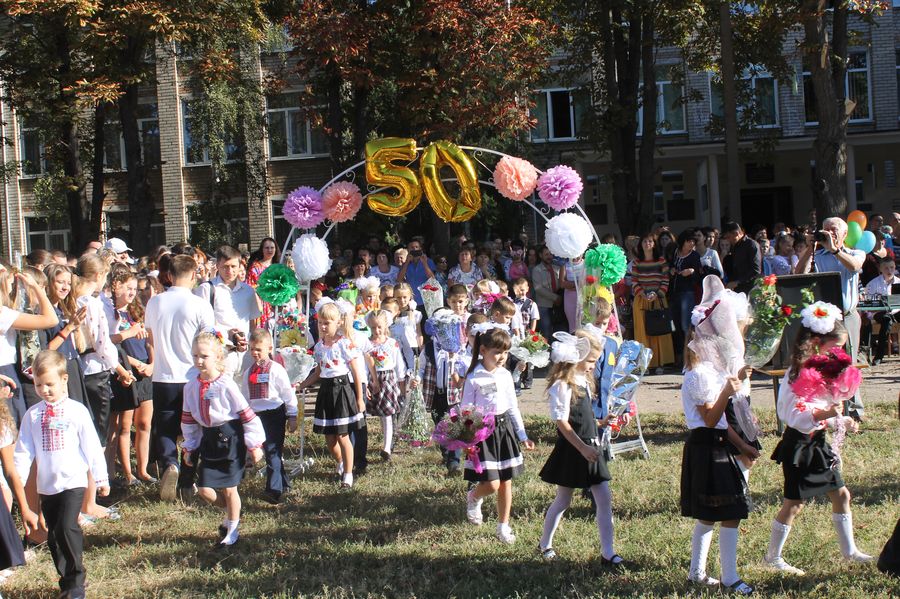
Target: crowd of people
{"type": "Point", "coordinates": [161, 371]}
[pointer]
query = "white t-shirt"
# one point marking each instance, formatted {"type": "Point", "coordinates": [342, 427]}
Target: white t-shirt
{"type": "Point", "coordinates": [174, 318]}
{"type": "Point", "coordinates": [560, 395]}
{"type": "Point", "coordinates": [495, 393]}
{"type": "Point", "coordinates": [234, 308]}
{"type": "Point", "coordinates": [701, 385]}
{"type": "Point", "coordinates": [7, 336]}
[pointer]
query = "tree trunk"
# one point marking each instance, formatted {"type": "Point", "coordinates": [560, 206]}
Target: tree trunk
{"type": "Point", "coordinates": [729, 101]}
{"type": "Point", "coordinates": [646, 164]}
{"type": "Point", "coordinates": [140, 203]}
{"type": "Point", "coordinates": [98, 175]}
{"type": "Point", "coordinates": [830, 147]}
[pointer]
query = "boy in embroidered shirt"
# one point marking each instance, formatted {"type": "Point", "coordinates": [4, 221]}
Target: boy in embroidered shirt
{"type": "Point", "coordinates": [267, 386]}
{"type": "Point", "coordinates": [502, 312]}
{"type": "Point", "coordinates": [58, 435]}
{"type": "Point", "coordinates": [529, 315]}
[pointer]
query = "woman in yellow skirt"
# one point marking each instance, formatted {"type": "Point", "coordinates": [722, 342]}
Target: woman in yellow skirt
{"type": "Point", "coordinates": [650, 282]}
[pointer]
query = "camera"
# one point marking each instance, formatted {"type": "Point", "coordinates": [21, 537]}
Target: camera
{"type": "Point", "coordinates": [821, 236]}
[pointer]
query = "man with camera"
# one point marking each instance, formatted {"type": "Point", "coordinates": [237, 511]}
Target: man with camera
{"type": "Point", "coordinates": [826, 252]}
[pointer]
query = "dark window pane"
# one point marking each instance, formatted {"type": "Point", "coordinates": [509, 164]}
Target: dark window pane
{"type": "Point", "coordinates": [277, 134]}
{"type": "Point", "coordinates": [562, 120]}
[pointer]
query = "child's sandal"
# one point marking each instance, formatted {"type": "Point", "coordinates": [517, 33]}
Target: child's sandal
{"type": "Point", "coordinates": [741, 588]}
{"type": "Point", "coordinates": [548, 554]}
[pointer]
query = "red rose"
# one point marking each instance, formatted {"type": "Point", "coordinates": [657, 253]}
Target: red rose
{"type": "Point", "coordinates": [590, 279]}
{"type": "Point", "coordinates": [536, 338]}
{"type": "Point", "coordinates": [469, 422]}
{"type": "Point", "coordinates": [310, 352]}
{"type": "Point", "coordinates": [770, 280]}
{"type": "Point", "coordinates": [454, 418]}
{"type": "Point", "coordinates": [787, 310]}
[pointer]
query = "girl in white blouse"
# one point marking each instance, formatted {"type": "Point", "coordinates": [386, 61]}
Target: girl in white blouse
{"type": "Point", "coordinates": [489, 386]}
{"type": "Point", "coordinates": [340, 404]}
{"type": "Point", "coordinates": [806, 457]}
{"type": "Point", "coordinates": [219, 429]}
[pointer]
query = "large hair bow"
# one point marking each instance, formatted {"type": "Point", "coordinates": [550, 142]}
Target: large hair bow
{"type": "Point", "coordinates": [569, 348]}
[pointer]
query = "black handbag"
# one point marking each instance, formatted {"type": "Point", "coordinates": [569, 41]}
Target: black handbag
{"type": "Point", "coordinates": [658, 322]}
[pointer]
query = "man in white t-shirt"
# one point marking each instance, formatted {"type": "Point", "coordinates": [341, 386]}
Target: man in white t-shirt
{"type": "Point", "coordinates": [234, 305]}
{"type": "Point", "coordinates": [173, 319]}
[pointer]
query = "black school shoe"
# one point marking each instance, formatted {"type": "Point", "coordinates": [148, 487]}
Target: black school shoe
{"type": "Point", "coordinates": [612, 564]}
{"type": "Point", "coordinates": [272, 498]}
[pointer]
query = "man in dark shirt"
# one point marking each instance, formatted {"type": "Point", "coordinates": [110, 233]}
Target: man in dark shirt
{"type": "Point", "coordinates": [745, 265]}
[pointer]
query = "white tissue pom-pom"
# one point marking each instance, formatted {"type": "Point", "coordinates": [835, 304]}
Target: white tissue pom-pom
{"type": "Point", "coordinates": [568, 235]}
{"type": "Point", "coordinates": [310, 256]}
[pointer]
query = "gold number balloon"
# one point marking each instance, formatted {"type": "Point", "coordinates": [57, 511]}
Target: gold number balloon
{"type": "Point", "coordinates": [452, 210]}
{"type": "Point", "coordinates": [382, 172]}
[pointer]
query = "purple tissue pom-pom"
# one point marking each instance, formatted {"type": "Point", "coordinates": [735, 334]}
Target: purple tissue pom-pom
{"type": "Point", "coordinates": [303, 208]}
{"type": "Point", "coordinates": [560, 187]}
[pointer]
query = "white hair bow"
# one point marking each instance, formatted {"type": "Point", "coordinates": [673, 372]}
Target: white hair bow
{"type": "Point", "coordinates": [484, 327]}
{"type": "Point", "coordinates": [344, 306]}
{"type": "Point", "coordinates": [569, 348]}
{"type": "Point", "coordinates": [322, 303]}
{"type": "Point", "coordinates": [363, 283]}
{"type": "Point", "coordinates": [820, 317]}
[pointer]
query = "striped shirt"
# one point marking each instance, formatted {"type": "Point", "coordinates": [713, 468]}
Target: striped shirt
{"type": "Point", "coordinates": [649, 275]}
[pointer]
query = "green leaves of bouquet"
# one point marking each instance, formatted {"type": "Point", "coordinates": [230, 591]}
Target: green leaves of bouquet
{"type": "Point", "coordinates": [277, 284]}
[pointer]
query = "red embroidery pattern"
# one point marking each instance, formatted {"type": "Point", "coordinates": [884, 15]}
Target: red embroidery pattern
{"type": "Point", "coordinates": [52, 439]}
{"type": "Point", "coordinates": [259, 390]}
{"type": "Point", "coordinates": [204, 402]}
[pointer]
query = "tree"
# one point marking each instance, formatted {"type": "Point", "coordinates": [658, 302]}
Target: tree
{"type": "Point", "coordinates": [460, 70]}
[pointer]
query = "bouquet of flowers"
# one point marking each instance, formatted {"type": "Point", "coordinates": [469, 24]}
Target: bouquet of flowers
{"type": "Point", "coordinates": [290, 328]}
{"type": "Point", "coordinates": [413, 423]}
{"type": "Point", "coordinates": [298, 362]}
{"type": "Point", "coordinates": [632, 362]}
{"type": "Point", "coordinates": [464, 428]}
{"type": "Point", "coordinates": [604, 267]}
{"type": "Point", "coordinates": [432, 295]}
{"type": "Point", "coordinates": [832, 378]}
{"type": "Point", "coordinates": [446, 326]}
{"type": "Point", "coordinates": [770, 317]}
{"type": "Point", "coordinates": [348, 291]}
{"type": "Point", "coordinates": [532, 348]}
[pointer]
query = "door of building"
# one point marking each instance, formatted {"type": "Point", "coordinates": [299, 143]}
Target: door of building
{"type": "Point", "coordinates": [765, 207]}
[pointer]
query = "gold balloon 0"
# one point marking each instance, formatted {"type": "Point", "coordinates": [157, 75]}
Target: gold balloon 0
{"type": "Point", "coordinates": [452, 210]}
{"type": "Point", "coordinates": [382, 172]}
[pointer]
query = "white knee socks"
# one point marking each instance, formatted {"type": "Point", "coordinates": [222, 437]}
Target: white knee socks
{"type": "Point", "coordinates": [603, 499]}
{"type": "Point", "coordinates": [843, 525]}
{"type": "Point", "coordinates": [779, 536]}
{"type": "Point", "coordinates": [554, 515]}
{"type": "Point", "coordinates": [728, 540]}
{"type": "Point", "coordinates": [231, 535]}
{"type": "Point", "coordinates": [387, 428]}
{"type": "Point", "coordinates": [700, 542]}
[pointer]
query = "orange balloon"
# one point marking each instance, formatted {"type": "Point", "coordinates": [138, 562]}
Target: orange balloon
{"type": "Point", "coordinates": [858, 217]}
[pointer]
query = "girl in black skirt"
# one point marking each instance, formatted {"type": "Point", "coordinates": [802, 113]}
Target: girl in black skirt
{"type": "Point", "coordinates": [11, 551]}
{"type": "Point", "coordinates": [489, 386]}
{"type": "Point", "coordinates": [339, 411]}
{"type": "Point", "coordinates": [125, 315]}
{"type": "Point", "coordinates": [805, 456]}
{"type": "Point", "coordinates": [712, 486]}
{"type": "Point", "coordinates": [219, 429]}
{"type": "Point", "coordinates": [576, 461]}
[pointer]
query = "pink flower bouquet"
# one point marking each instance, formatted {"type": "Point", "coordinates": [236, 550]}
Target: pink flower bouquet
{"type": "Point", "coordinates": [464, 428]}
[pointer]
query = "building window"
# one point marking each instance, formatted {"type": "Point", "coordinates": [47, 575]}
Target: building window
{"type": "Point", "coordinates": [31, 149]}
{"type": "Point", "coordinates": [231, 225]}
{"type": "Point", "coordinates": [763, 89]}
{"type": "Point", "coordinates": [559, 113]}
{"type": "Point", "coordinates": [670, 101]}
{"type": "Point", "coordinates": [195, 151]}
{"type": "Point", "coordinates": [897, 56]}
{"type": "Point", "coordinates": [117, 225]}
{"type": "Point", "coordinates": [856, 87]}
{"type": "Point", "coordinates": [148, 133]}
{"type": "Point", "coordinates": [669, 202]}
{"type": "Point", "coordinates": [43, 234]}
{"type": "Point", "coordinates": [291, 134]}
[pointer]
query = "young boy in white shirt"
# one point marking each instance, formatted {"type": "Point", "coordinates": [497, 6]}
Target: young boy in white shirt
{"type": "Point", "coordinates": [529, 315]}
{"type": "Point", "coordinates": [268, 389]}
{"type": "Point", "coordinates": [58, 435]}
{"type": "Point", "coordinates": [881, 285]}
{"type": "Point", "coordinates": [173, 319]}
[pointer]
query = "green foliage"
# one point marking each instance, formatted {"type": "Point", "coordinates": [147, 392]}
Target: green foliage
{"type": "Point", "coordinates": [50, 197]}
{"type": "Point", "coordinates": [215, 223]}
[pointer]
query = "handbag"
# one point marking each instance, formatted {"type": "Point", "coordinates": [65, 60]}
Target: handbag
{"type": "Point", "coordinates": [658, 322]}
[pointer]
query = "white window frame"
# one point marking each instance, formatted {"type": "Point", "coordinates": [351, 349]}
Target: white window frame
{"type": "Point", "coordinates": [550, 133]}
{"type": "Point", "coordinates": [140, 122]}
{"type": "Point", "coordinates": [868, 70]}
{"type": "Point", "coordinates": [288, 134]}
{"type": "Point", "coordinates": [185, 154]}
{"type": "Point", "coordinates": [660, 105]}
{"type": "Point", "coordinates": [42, 165]}
{"type": "Point", "coordinates": [66, 233]}
{"type": "Point", "coordinates": [752, 77]}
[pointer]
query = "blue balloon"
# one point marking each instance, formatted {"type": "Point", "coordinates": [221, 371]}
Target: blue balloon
{"type": "Point", "coordinates": [866, 243]}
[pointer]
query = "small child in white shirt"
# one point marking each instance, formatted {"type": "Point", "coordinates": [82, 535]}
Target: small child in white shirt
{"type": "Point", "coordinates": [59, 436]}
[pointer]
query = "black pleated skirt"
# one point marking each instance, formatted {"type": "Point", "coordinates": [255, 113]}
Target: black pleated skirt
{"type": "Point", "coordinates": [11, 552]}
{"type": "Point", "coordinates": [222, 456]}
{"type": "Point", "coordinates": [806, 462]}
{"type": "Point", "coordinates": [566, 466]}
{"type": "Point", "coordinates": [129, 398]}
{"type": "Point", "coordinates": [336, 411]}
{"type": "Point", "coordinates": [500, 454]}
{"type": "Point", "coordinates": [712, 486]}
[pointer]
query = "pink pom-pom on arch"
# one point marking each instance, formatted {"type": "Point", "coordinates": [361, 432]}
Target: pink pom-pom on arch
{"type": "Point", "coordinates": [303, 208]}
{"type": "Point", "coordinates": [341, 201]}
{"type": "Point", "coordinates": [515, 178]}
{"type": "Point", "coordinates": [560, 187]}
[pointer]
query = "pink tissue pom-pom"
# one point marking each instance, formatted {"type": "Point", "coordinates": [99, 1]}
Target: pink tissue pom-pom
{"type": "Point", "coordinates": [303, 208]}
{"type": "Point", "coordinates": [846, 384]}
{"type": "Point", "coordinates": [809, 384]}
{"type": "Point", "coordinates": [341, 201]}
{"type": "Point", "coordinates": [515, 178]}
{"type": "Point", "coordinates": [560, 187]}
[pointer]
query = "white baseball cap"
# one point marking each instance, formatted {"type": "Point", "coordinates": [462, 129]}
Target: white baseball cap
{"type": "Point", "coordinates": [117, 245]}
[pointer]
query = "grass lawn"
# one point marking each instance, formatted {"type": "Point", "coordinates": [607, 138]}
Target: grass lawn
{"type": "Point", "coordinates": [402, 532]}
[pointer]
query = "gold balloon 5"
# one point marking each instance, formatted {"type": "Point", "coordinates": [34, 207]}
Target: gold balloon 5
{"type": "Point", "coordinates": [382, 172]}
{"type": "Point", "coordinates": [452, 210]}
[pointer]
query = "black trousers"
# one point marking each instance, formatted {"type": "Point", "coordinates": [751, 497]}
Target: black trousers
{"type": "Point", "coordinates": [65, 538]}
{"type": "Point", "coordinates": [165, 428]}
{"type": "Point", "coordinates": [360, 440]}
{"type": "Point", "coordinates": [274, 422]}
{"type": "Point", "coordinates": [886, 320]}
{"type": "Point", "coordinates": [99, 395]}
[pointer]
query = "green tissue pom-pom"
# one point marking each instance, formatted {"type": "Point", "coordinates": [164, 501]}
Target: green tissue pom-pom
{"type": "Point", "coordinates": [277, 284]}
{"type": "Point", "coordinates": [611, 261]}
